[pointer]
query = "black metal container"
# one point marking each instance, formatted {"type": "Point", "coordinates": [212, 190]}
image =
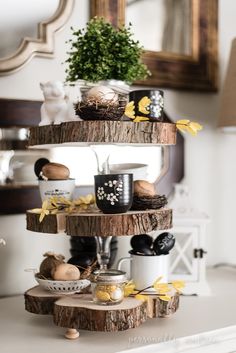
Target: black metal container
{"type": "Point", "coordinates": [148, 103]}
{"type": "Point", "coordinates": [86, 246]}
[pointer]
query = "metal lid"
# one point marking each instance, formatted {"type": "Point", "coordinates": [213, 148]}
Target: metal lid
{"type": "Point", "coordinates": [112, 276]}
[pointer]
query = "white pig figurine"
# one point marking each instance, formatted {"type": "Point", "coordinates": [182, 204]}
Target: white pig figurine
{"type": "Point", "coordinates": [56, 107]}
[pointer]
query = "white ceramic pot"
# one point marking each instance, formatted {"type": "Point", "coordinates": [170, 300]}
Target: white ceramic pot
{"type": "Point", "coordinates": [144, 270]}
{"type": "Point", "coordinates": [61, 188]}
{"type": "Point", "coordinates": [138, 170]}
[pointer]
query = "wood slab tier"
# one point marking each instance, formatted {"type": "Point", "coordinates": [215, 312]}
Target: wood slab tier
{"type": "Point", "coordinates": [130, 223]}
{"type": "Point", "coordinates": [53, 223]}
{"type": "Point", "coordinates": [79, 312]}
{"type": "Point", "coordinates": [82, 313]}
{"type": "Point", "coordinates": [39, 301]}
{"type": "Point", "coordinates": [92, 132]}
{"type": "Point", "coordinates": [160, 308]}
{"type": "Point", "coordinates": [100, 224]}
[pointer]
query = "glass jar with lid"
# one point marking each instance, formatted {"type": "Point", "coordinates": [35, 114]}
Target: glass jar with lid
{"type": "Point", "coordinates": [108, 286]}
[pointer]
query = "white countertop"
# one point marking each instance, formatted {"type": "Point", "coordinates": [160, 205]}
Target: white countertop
{"type": "Point", "coordinates": [21, 331]}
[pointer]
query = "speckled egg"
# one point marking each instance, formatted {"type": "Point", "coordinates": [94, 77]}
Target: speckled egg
{"type": "Point", "coordinates": [102, 95]}
{"type": "Point", "coordinates": [117, 294]}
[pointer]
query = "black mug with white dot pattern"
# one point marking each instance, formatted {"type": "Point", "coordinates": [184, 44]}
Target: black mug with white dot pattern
{"type": "Point", "coordinates": [114, 192]}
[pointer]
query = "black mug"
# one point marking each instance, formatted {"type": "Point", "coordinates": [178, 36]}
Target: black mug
{"type": "Point", "coordinates": [148, 103]}
{"type": "Point", "coordinates": [114, 192]}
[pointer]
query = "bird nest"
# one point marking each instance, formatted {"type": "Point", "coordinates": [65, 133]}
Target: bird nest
{"type": "Point", "coordinates": [148, 202]}
{"type": "Point", "coordinates": [95, 111]}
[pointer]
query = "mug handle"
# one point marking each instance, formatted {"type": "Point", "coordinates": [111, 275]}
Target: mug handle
{"type": "Point", "coordinates": [122, 260]}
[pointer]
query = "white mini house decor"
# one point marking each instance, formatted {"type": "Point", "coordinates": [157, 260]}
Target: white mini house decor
{"type": "Point", "coordinates": [188, 258]}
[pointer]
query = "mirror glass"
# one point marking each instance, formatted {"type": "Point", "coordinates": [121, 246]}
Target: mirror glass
{"type": "Point", "coordinates": [161, 25]}
{"type": "Point", "coordinates": [145, 162]}
{"type": "Point", "coordinates": [19, 19]}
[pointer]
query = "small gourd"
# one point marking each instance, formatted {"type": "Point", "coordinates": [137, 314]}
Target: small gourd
{"type": "Point", "coordinates": [55, 171]}
{"type": "Point", "coordinates": [144, 188]}
{"type": "Point", "coordinates": [50, 263]}
{"type": "Point", "coordinates": [66, 272]}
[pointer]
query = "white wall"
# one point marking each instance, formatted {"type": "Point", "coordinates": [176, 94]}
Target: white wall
{"type": "Point", "coordinates": [210, 158]}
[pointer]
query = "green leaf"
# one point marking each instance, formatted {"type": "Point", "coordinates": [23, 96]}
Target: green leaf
{"type": "Point", "coordinates": [100, 52]}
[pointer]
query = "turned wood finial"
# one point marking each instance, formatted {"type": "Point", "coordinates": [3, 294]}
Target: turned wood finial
{"type": "Point", "coordinates": [72, 334]}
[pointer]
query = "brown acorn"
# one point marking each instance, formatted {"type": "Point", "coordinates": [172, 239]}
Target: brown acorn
{"type": "Point", "coordinates": [49, 264]}
{"type": "Point", "coordinates": [55, 171]}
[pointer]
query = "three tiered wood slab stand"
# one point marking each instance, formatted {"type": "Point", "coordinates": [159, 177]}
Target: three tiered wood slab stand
{"type": "Point", "coordinates": [77, 311]}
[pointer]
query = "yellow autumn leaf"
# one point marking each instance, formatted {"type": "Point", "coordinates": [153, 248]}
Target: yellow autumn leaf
{"type": "Point", "coordinates": [138, 119]}
{"type": "Point", "coordinates": [195, 126]}
{"type": "Point", "coordinates": [129, 110]}
{"type": "Point", "coordinates": [178, 285]}
{"type": "Point", "coordinates": [162, 288]}
{"type": "Point", "coordinates": [186, 125]}
{"type": "Point", "coordinates": [165, 298]}
{"type": "Point", "coordinates": [36, 210]}
{"type": "Point", "coordinates": [182, 125]}
{"type": "Point", "coordinates": [45, 204]}
{"type": "Point", "coordinates": [157, 281]}
{"type": "Point", "coordinates": [87, 200]}
{"type": "Point", "coordinates": [182, 122]}
{"type": "Point", "coordinates": [143, 104]}
{"type": "Point", "coordinates": [70, 209]}
{"type": "Point", "coordinates": [64, 201]}
{"type": "Point", "coordinates": [182, 128]}
{"type": "Point", "coordinates": [142, 297]}
{"type": "Point", "coordinates": [44, 211]}
{"type": "Point", "coordinates": [54, 200]}
{"type": "Point", "coordinates": [83, 207]}
{"type": "Point", "coordinates": [191, 131]}
{"type": "Point", "coordinates": [43, 214]}
{"type": "Point", "coordinates": [129, 288]}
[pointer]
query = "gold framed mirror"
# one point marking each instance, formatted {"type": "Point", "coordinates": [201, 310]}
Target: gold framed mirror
{"type": "Point", "coordinates": [193, 69]}
{"type": "Point", "coordinates": [40, 43]}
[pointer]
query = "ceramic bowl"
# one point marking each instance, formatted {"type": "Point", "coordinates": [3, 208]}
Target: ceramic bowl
{"type": "Point", "coordinates": [66, 287]}
{"type": "Point", "coordinates": [60, 188]}
{"type": "Point", "coordinates": [138, 170]}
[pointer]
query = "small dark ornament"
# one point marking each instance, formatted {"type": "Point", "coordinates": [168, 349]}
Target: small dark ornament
{"type": "Point", "coordinates": [141, 243]}
{"type": "Point", "coordinates": [163, 243]}
{"type": "Point", "coordinates": [148, 202]}
{"type": "Point", "coordinates": [38, 165]}
{"type": "Point", "coordinates": [143, 252]}
{"type": "Point", "coordinates": [82, 261]}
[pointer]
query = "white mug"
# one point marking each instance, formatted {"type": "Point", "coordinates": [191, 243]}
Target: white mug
{"type": "Point", "coordinates": [144, 270]}
{"type": "Point", "coordinates": [60, 188]}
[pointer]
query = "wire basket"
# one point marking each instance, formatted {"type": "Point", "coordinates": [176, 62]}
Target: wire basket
{"type": "Point", "coordinates": [65, 287]}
